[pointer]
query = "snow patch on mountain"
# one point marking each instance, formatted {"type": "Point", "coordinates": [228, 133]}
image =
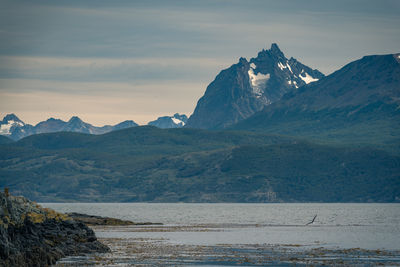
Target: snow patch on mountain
{"type": "Point", "coordinates": [307, 78]}
{"type": "Point", "coordinates": [286, 66]}
{"type": "Point", "coordinates": [290, 69]}
{"type": "Point", "coordinates": [177, 121]}
{"type": "Point", "coordinates": [280, 65]}
{"type": "Point", "coordinates": [5, 129]}
{"type": "Point", "coordinates": [258, 81]}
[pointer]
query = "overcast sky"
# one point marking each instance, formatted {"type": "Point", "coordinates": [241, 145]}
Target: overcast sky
{"type": "Point", "coordinates": [109, 61]}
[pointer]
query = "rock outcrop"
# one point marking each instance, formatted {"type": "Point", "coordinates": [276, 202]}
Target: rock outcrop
{"type": "Point", "coordinates": [34, 236]}
{"type": "Point", "coordinates": [99, 220]}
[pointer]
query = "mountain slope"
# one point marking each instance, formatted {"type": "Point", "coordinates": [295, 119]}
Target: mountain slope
{"type": "Point", "coordinates": [175, 121]}
{"type": "Point", "coordinates": [5, 140]}
{"type": "Point", "coordinates": [168, 165]}
{"type": "Point", "coordinates": [358, 103]}
{"type": "Point", "coordinates": [124, 125]}
{"type": "Point", "coordinates": [247, 87]}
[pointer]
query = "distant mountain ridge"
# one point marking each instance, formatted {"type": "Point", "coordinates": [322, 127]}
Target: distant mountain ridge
{"type": "Point", "coordinates": [359, 103]}
{"type": "Point", "coordinates": [12, 127]}
{"type": "Point", "coordinates": [165, 122]}
{"type": "Point", "coordinates": [248, 86]}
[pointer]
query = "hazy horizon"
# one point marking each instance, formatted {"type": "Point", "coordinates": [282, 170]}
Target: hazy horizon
{"type": "Point", "coordinates": [131, 60]}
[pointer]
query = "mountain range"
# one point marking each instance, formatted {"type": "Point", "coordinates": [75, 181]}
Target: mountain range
{"type": "Point", "coordinates": [360, 103]}
{"type": "Point", "coordinates": [249, 86]}
{"type": "Point", "coordinates": [12, 127]}
{"type": "Point", "coordinates": [329, 138]}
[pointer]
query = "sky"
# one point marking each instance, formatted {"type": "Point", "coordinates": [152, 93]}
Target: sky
{"type": "Point", "coordinates": [109, 61]}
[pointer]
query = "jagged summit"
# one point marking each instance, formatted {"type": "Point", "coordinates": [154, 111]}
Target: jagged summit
{"type": "Point", "coordinates": [75, 119]}
{"type": "Point", "coordinates": [276, 51]}
{"type": "Point", "coordinates": [243, 60]}
{"type": "Point", "coordinates": [11, 117]}
{"type": "Point", "coordinates": [248, 86]}
{"type": "Point", "coordinates": [53, 119]}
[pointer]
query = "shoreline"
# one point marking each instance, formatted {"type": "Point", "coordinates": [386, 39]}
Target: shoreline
{"type": "Point", "coordinates": [159, 251]}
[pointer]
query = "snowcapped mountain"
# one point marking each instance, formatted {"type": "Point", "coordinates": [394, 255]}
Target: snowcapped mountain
{"type": "Point", "coordinates": [12, 127]}
{"type": "Point", "coordinates": [248, 86]}
{"type": "Point", "coordinates": [9, 123]}
{"type": "Point", "coordinates": [175, 121]}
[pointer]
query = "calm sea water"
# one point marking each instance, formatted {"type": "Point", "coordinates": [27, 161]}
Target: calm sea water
{"type": "Point", "coordinates": [368, 226]}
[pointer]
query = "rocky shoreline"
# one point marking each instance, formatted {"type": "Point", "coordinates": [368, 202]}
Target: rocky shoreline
{"type": "Point", "coordinates": [92, 220]}
{"type": "Point", "coordinates": [34, 236]}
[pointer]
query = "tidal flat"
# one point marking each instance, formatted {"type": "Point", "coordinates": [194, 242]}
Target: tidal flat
{"type": "Point", "coordinates": [152, 251]}
{"type": "Point", "coordinates": [244, 234]}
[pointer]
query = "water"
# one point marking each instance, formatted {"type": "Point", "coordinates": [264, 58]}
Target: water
{"type": "Point", "coordinates": [369, 226]}
{"type": "Point", "coordinates": [249, 229]}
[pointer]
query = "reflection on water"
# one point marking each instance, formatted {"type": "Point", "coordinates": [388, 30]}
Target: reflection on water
{"type": "Point", "coordinates": [264, 234]}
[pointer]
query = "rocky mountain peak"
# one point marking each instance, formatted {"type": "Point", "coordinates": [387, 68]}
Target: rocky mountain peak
{"type": "Point", "coordinates": [274, 50]}
{"type": "Point", "coordinates": [11, 117]}
{"type": "Point", "coordinates": [10, 123]}
{"type": "Point", "coordinates": [75, 119]}
{"type": "Point", "coordinates": [248, 86]}
{"type": "Point", "coordinates": [243, 61]}
{"type": "Point", "coordinates": [272, 54]}
{"type": "Point", "coordinates": [52, 119]}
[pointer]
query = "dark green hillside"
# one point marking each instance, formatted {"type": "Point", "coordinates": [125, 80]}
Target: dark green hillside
{"type": "Point", "coordinates": [148, 140]}
{"type": "Point", "coordinates": [5, 140]}
{"type": "Point", "coordinates": [376, 125]}
{"type": "Point", "coordinates": [308, 172]}
{"type": "Point", "coordinates": [150, 164]}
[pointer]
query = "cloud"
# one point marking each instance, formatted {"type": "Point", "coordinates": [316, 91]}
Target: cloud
{"type": "Point", "coordinates": [211, 29]}
{"type": "Point", "coordinates": [136, 70]}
